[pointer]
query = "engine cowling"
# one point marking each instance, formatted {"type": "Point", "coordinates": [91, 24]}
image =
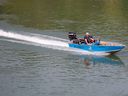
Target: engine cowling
{"type": "Point", "coordinates": [72, 36]}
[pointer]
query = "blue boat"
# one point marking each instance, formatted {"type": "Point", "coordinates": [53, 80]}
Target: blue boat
{"type": "Point", "coordinates": [107, 47]}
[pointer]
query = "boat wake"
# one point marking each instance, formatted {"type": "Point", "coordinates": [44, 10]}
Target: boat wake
{"type": "Point", "coordinates": [43, 41]}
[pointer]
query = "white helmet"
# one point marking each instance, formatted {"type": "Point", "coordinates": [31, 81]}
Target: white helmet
{"type": "Point", "coordinates": [87, 33]}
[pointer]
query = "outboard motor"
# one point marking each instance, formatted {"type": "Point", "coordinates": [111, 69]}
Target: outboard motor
{"type": "Point", "coordinates": [72, 36]}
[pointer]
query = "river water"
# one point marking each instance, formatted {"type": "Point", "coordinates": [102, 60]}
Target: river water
{"type": "Point", "coordinates": [34, 56]}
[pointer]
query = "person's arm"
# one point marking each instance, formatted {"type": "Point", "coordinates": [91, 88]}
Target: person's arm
{"type": "Point", "coordinates": [86, 41]}
{"type": "Point", "coordinates": [92, 40]}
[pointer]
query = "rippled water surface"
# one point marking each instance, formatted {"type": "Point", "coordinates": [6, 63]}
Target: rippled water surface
{"type": "Point", "coordinates": [30, 67]}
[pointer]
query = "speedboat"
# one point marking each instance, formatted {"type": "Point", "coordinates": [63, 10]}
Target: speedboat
{"type": "Point", "coordinates": [103, 46]}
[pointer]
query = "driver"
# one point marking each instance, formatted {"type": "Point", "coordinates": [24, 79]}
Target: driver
{"type": "Point", "coordinates": [88, 38]}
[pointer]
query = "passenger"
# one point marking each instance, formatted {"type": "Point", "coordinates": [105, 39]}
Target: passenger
{"type": "Point", "coordinates": [88, 39]}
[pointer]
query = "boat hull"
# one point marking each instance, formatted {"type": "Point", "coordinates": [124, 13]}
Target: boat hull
{"type": "Point", "coordinates": [98, 48]}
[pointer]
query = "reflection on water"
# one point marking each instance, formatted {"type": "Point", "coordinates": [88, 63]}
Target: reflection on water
{"type": "Point", "coordinates": [112, 60]}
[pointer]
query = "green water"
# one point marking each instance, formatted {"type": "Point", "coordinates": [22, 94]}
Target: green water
{"type": "Point", "coordinates": [30, 70]}
{"type": "Point", "coordinates": [68, 15]}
